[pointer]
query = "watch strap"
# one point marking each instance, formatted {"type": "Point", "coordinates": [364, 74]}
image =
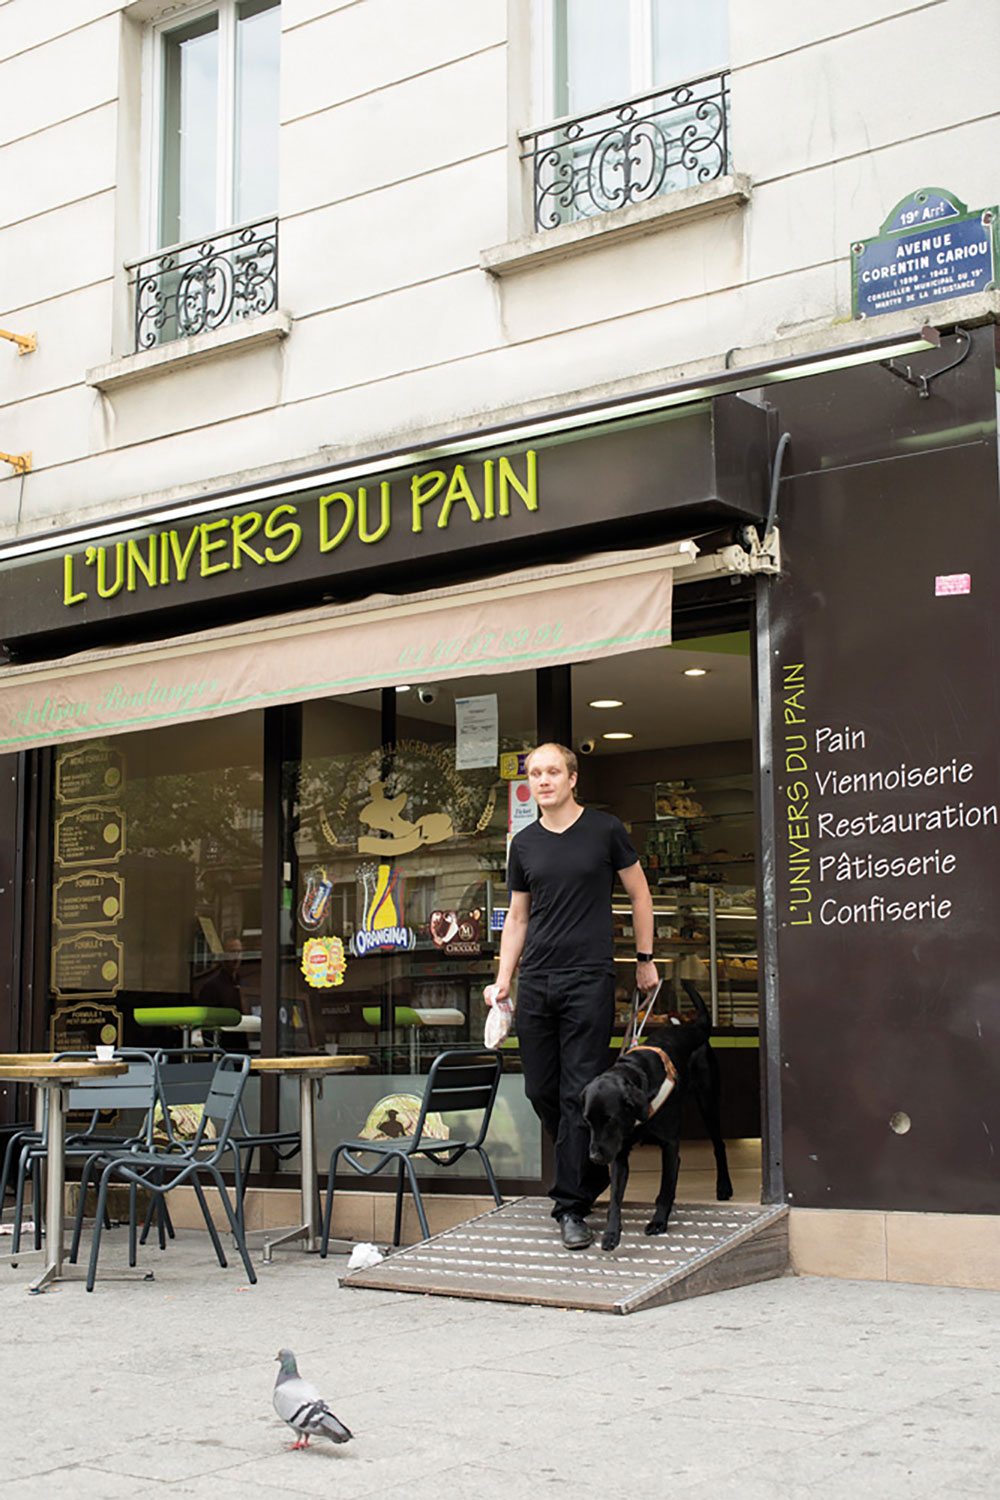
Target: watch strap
{"type": "Point", "coordinates": [644, 958]}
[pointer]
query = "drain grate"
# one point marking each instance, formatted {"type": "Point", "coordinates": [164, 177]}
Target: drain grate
{"type": "Point", "coordinates": [514, 1254]}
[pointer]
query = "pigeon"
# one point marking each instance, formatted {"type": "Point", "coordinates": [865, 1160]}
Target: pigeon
{"type": "Point", "coordinates": [300, 1405]}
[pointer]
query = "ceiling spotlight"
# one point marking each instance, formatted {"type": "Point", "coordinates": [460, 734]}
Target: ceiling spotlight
{"type": "Point", "coordinates": [404, 687]}
{"type": "Point", "coordinates": [695, 671]}
{"type": "Point", "coordinates": [617, 734]}
{"type": "Point", "coordinates": [606, 703]}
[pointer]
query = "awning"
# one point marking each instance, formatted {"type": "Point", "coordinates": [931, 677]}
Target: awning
{"type": "Point", "coordinates": [537, 617]}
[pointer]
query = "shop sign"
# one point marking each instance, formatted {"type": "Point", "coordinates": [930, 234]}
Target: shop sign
{"type": "Point", "coordinates": [396, 834]}
{"type": "Point", "coordinates": [422, 800]}
{"type": "Point", "coordinates": [930, 248]}
{"type": "Point", "coordinates": [287, 546]}
{"type": "Point", "coordinates": [514, 764]}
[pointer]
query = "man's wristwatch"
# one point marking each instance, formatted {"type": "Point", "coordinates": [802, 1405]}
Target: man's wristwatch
{"type": "Point", "coordinates": [644, 958]}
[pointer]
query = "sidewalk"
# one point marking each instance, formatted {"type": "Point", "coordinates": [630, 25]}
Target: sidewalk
{"type": "Point", "coordinates": [798, 1387]}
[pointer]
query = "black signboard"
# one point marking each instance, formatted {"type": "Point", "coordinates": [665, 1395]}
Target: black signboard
{"type": "Point", "coordinates": [88, 964]}
{"type": "Point", "coordinates": [658, 478]}
{"type": "Point", "coordinates": [90, 899]}
{"type": "Point", "coordinates": [89, 773]}
{"type": "Point", "coordinates": [82, 1027]}
{"type": "Point", "coordinates": [885, 727]}
{"type": "Point", "coordinates": [90, 836]}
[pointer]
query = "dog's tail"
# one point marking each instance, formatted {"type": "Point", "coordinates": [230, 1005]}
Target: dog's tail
{"type": "Point", "coordinates": [698, 1031]}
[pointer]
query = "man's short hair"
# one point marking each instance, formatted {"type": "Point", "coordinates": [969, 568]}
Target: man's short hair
{"type": "Point", "coordinates": [572, 764]}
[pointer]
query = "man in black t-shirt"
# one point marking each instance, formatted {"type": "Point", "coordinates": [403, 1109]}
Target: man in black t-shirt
{"type": "Point", "coordinates": [560, 929]}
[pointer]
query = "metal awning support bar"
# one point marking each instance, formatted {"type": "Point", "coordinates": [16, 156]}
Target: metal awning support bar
{"type": "Point", "coordinates": [755, 556]}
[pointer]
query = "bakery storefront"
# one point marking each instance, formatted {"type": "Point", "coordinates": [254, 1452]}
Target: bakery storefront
{"type": "Point", "coordinates": [293, 819]}
{"type": "Point", "coordinates": [262, 752]}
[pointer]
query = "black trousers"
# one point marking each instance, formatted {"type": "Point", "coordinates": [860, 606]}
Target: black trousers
{"type": "Point", "coordinates": [564, 1022]}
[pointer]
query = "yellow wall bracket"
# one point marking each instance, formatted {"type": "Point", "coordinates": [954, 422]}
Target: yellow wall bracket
{"type": "Point", "coordinates": [25, 342]}
{"type": "Point", "coordinates": [19, 462]}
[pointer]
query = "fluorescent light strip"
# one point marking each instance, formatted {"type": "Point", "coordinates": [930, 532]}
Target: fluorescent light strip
{"type": "Point", "coordinates": [593, 415]}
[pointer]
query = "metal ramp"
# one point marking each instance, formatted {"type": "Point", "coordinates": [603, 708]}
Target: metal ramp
{"type": "Point", "coordinates": [514, 1254]}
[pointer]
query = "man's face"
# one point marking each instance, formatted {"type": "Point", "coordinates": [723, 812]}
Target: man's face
{"type": "Point", "coordinates": [550, 782]}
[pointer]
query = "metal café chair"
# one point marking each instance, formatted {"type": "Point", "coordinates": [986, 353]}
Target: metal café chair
{"type": "Point", "coordinates": [457, 1081]}
{"type": "Point", "coordinates": [161, 1169]}
{"type": "Point", "coordinates": [185, 1075]}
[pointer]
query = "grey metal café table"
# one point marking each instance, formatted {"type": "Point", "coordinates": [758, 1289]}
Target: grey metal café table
{"type": "Point", "coordinates": [52, 1080]}
{"type": "Point", "coordinates": [310, 1072]}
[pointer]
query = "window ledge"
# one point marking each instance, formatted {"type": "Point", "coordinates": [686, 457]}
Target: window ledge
{"type": "Point", "coordinates": [721, 196]}
{"type": "Point", "coordinates": [166, 358]}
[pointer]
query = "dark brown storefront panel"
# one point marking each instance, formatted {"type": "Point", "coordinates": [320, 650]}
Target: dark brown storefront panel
{"type": "Point", "coordinates": [655, 478]}
{"type": "Point", "coordinates": [886, 725]}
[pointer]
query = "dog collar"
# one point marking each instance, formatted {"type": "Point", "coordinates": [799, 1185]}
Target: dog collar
{"type": "Point", "coordinates": [669, 1075]}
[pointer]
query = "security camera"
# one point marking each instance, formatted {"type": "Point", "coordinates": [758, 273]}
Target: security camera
{"type": "Point", "coordinates": [427, 694]}
{"type": "Point", "coordinates": [586, 747]}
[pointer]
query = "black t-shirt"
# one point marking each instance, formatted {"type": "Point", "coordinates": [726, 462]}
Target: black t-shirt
{"type": "Point", "coordinates": [570, 877]}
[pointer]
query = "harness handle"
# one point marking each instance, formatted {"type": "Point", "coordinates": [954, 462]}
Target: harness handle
{"type": "Point", "coordinates": [633, 1030]}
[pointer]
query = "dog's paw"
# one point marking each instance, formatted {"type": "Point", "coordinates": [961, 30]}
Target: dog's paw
{"type": "Point", "coordinates": [724, 1192]}
{"type": "Point", "coordinates": [656, 1226]}
{"type": "Point", "coordinates": [610, 1239]}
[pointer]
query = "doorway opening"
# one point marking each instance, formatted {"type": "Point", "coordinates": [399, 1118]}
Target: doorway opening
{"type": "Point", "coordinates": [666, 739]}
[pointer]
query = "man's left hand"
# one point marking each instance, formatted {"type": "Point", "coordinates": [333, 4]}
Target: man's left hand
{"type": "Point", "coordinates": [646, 977]}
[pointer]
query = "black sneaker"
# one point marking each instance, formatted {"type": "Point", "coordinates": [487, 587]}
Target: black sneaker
{"type": "Point", "coordinates": [576, 1235]}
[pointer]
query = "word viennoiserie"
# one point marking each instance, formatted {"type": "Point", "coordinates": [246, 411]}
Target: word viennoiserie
{"type": "Point", "coordinates": [255, 538]}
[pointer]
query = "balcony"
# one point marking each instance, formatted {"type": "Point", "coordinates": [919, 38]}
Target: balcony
{"type": "Point", "coordinates": [205, 284]}
{"type": "Point", "coordinates": [629, 153]}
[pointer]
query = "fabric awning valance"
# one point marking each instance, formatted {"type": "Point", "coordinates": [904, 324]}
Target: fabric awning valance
{"type": "Point", "coordinates": [537, 617]}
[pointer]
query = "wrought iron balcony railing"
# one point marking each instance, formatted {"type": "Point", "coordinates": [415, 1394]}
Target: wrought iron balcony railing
{"type": "Point", "coordinates": [628, 153]}
{"type": "Point", "coordinates": [206, 283]}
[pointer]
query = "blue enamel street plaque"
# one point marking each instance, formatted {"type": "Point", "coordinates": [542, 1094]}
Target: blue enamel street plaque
{"type": "Point", "coordinates": [930, 248]}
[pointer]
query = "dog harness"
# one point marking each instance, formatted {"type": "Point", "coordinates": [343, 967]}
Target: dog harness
{"type": "Point", "coordinates": [669, 1075]}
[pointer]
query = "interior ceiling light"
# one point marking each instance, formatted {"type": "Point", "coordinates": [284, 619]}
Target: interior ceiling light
{"type": "Point", "coordinates": [617, 734]}
{"type": "Point", "coordinates": [606, 703]}
{"type": "Point", "coordinates": [695, 671]}
{"type": "Point", "coordinates": [403, 688]}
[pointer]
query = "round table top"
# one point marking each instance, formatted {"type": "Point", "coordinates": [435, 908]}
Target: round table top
{"type": "Point", "coordinates": [321, 1063]}
{"type": "Point", "coordinates": [40, 1071]}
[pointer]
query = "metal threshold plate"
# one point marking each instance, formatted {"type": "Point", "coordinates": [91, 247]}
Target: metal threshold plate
{"type": "Point", "coordinates": [515, 1254]}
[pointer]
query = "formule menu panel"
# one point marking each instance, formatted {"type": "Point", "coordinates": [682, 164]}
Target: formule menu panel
{"type": "Point", "coordinates": [88, 898]}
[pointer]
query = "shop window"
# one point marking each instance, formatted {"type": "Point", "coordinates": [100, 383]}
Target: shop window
{"type": "Point", "coordinates": [213, 111]}
{"type": "Point", "coordinates": [156, 883]}
{"type": "Point", "coordinates": [396, 891]}
{"type": "Point", "coordinates": [639, 94]}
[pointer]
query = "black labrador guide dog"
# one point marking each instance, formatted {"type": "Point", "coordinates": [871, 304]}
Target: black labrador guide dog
{"type": "Point", "coordinates": [638, 1101]}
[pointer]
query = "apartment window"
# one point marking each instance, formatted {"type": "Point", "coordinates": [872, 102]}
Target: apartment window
{"type": "Point", "coordinates": [219, 119]}
{"type": "Point", "coordinates": [639, 93]}
{"type": "Point", "coordinates": [213, 128]}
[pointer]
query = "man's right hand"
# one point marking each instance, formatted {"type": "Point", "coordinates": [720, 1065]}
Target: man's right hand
{"type": "Point", "coordinates": [494, 992]}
